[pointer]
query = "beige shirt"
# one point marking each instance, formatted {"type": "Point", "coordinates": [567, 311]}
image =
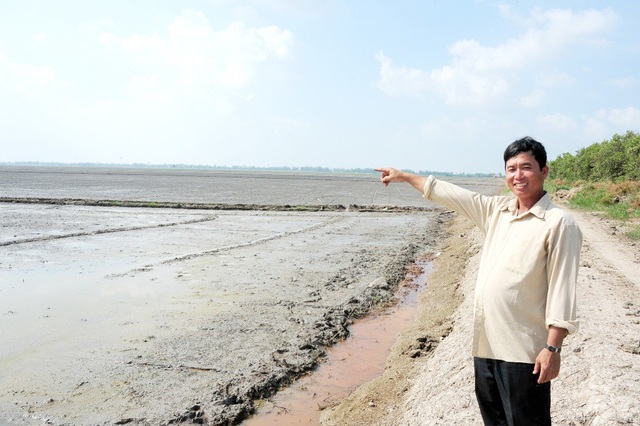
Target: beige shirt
{"type": "Point", "coordinates": [527, 275]}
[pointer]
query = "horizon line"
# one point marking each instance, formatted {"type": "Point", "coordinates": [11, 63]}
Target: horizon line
{"type": "Point", "coordinates": [323, 169]}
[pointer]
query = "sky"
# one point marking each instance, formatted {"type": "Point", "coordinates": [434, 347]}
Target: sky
{"type": "Point", "coordinates": [413, 84]}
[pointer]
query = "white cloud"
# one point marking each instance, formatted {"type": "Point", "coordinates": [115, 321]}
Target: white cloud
{"type": "Point", "coordinates": [589, 129]}
{"type": "Point", "coordinates": [28, 79]}
{"type": "Point", "coordinates": [399, 80]}
{"type": "Point", "coordinates": [301, 7]}
{"type": "Point", "coordinates": [624, 83]}
{"type": "Point", "coordinates": [456, 85]}
{"type": "Point", "coordinates": [459, 85]}
{"type": "Point", "coordinates": [595, 130]}
{"type": "Point", "coordinates": [533, 99]}
{"type": "Point", "coordinates": [481, 74]}
{"type": "Point", "coordinates": [468, 130]}
{"type": "Point", "coordinates": [566, 27]}
{"type": "Point", "coordinates": [40, 38]}
{"type": "Point", "coordinates": [194, 57]}
{"type": "Point", "coordinates": [554, 78]}
{"type": "Point", "coordinates": [557, 123]}
{"type": "Point", "coordinates": [274, 40]}
{"type": "Point", "coordinates": [629, 118]}
{"type": "Point", "coordinates": [31, 75]}
{"type": "Point", "coordinates": [605, 123]}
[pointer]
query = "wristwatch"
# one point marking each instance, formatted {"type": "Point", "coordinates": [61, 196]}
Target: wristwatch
{"type": "Point", "coordinates": [553, 349]}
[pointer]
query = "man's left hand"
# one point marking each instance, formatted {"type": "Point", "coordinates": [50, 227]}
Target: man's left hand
{"type": "Point", "coordinates": [548, 365]}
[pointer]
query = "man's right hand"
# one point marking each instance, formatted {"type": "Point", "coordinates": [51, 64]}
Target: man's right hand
{"type": "Point", "coordinates": [389, 175]}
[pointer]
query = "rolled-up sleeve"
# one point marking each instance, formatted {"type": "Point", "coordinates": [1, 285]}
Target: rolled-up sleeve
{"type": "Point", "coordinates": [562, 275]}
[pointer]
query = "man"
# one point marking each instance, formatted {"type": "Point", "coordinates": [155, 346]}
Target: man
{"type": "Point", "coordinates": [525, 296]}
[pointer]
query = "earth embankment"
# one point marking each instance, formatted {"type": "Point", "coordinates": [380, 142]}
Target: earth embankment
{"type": "Point", "coordinates": [599, 382]}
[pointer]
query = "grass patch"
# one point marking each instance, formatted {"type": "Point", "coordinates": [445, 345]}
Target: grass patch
{"type": "Point", "coordinates": [634, 233]}
{"type": "Point", "coordinates": [617, 200]}
{"type": "Point", "coordinates": [620, 201]}
{"type": "Point", "coordinates": [554, 185]}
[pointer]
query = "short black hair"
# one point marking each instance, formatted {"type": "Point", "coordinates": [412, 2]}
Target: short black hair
{"type": "Point", "coordinates": [526, 144]}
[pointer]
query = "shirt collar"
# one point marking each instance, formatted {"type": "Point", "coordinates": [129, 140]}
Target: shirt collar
{"type": "Point", "coordinates": [538, 210]}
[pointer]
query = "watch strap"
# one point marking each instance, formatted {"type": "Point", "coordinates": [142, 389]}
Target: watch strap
{"type": "Point", "coordinates": [553, 349]}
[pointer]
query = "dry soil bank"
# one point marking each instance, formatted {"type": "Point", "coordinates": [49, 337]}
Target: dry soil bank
{"type": "Point", "coordinates": [429, 378]}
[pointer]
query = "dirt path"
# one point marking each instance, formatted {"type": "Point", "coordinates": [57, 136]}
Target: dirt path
{"type": "Point", "coordinates": [600, 379]}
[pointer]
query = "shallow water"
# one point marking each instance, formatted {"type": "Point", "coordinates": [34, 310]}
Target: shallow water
{"type": "Point", "coordinates": [350, 363]}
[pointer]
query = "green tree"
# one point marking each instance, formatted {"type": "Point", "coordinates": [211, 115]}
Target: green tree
{"type": "Point", "coordinates": [632, 155]}
{"type": "Point", "coordinates": [610, 160]}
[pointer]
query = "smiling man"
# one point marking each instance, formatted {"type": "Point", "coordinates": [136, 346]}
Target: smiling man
{"type": "Point", "coordinates": [525, 296]}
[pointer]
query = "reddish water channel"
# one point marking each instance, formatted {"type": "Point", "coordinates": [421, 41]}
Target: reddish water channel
{"type": "Point", "coordinates": [350, 363]}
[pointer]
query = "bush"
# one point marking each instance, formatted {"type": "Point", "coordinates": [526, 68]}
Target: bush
{"type": "Point", "coordinates": [614, 160]}
{"type": "Point", "coordinates": [603, 177]}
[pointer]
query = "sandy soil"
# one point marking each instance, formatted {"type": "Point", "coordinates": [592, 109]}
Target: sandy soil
{"type": "Point", "coordinates": [429, 377]}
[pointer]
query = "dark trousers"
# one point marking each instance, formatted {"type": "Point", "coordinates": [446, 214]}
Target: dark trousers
{"type": "Point", "coordinates": [508, 394]}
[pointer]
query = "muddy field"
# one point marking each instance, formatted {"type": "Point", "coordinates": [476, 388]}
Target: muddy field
{"type": "Point", "coordinates": [148, 315]}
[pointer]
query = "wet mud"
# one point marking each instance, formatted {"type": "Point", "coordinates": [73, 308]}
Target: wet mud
{"type": "Point", "coordinates": [127, 313]}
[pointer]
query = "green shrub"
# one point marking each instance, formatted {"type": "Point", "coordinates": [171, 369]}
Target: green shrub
{"type": "Point", "coordinates": [614, 160]}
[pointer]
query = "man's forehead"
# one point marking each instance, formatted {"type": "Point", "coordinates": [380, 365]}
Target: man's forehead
{"type": "Point", "coordinates": [522, 157]}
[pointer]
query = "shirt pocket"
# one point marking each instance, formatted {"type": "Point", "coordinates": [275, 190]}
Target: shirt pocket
{"type": "Point", "coordinates": [524, 253]}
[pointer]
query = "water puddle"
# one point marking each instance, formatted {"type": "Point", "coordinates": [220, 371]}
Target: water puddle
{"type": "Point", "coordinates": [350, 363]}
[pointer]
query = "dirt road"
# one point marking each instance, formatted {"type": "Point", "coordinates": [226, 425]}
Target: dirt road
{"type": "Point", "coordinates": [599, 383]}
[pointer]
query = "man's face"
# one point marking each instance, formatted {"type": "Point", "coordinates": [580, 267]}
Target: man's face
{"type": "Point", "coordinates": [524, 176]}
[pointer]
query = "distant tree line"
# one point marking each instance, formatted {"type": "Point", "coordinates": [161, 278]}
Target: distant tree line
{"type": "Point", "coordinates": [614, 160]}
{"type": "Point", "coordinates": [307, 169]}
{"type": "Point", "coordinates": [450, 174]}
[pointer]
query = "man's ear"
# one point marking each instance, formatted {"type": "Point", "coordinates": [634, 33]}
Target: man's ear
{"type": "Point", "coordinates": [545, 171]}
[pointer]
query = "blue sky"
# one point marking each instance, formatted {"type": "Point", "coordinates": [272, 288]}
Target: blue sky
{"type": "Point", "coordinates": [424, 85]}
